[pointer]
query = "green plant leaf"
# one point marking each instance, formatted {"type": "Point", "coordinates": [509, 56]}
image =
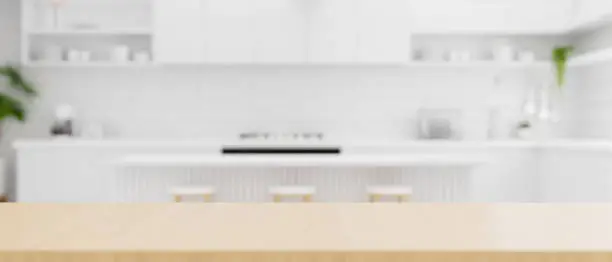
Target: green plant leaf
{"type": "Point", "coordinates": [11, 108]}
{"type": "Point", "coordinates": [561, 56]}
{"type": "Point", "coordinates": [16, 80]}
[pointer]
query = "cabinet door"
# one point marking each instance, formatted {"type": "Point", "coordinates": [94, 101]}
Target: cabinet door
{"type": "Point", "coordinates": [535, 16]}
{"type": "Point", "coordinates": [177, 36]}
{"type": "Point", "coordinates": [384, 31]}
{"type": "Point", "coordinates": [491, 16]}
{"type": "Point", "coordinates": [229, 31]}
{"type": "Point", "coordinates": [589, 11]}
{"type": "Point", "coordinates": [280, 31]}
{"type": "Point", "coordinates": [333, 31]}
{"type": "Point", "coordinates": [443, 15]}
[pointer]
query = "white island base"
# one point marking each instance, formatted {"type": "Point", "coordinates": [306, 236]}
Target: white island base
{"type": "Point", "coordinates": [120, 171]}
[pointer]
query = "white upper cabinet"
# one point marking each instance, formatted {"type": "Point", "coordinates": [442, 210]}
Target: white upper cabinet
{"type": "Point", "coordinates": [177, 26]}
{"type": "Point", "coordinates": [333, 31]}
{"type": "Point", "coordinates": [591, 12]}
{"type": "Point", "coordinates": [228, 31]}
{"type": "Point", "coordinates": [359, 31]}
{"type": "Point", "coordinates": [279, 32]}
{"type": "Point", "coordinates": [492, 16]}
{"type": "Point", "coordinates": [384, 31]}
{"type": "Point", "coordinates": [282, 31]}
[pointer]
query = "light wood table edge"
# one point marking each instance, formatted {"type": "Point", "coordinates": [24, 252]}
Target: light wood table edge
{"type": "Point", "coordinates": [455, 256]}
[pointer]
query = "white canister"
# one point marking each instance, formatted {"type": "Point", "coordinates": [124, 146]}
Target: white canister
{"type": "Point", "coordinates": [504, 52]}
{"type": "Point", "coordinates": [120, 53]}
{"type": "Point", "coordinates": [85, 56]}
{"type": "Point", "coordinates": [459, 56]}
{"type": "Point", "coordinates": [73, 55]}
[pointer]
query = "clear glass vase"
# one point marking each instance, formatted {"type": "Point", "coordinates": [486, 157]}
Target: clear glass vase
{"type": "Point", "coordinates": [543, 108]}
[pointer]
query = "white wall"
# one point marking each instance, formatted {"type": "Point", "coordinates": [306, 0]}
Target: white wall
{"type": "Point", "coordinates": [347, 103]}
{"type": "Point", "coordinates": [218, 102]}
{"type": "Point", "coordinates": [595, 96]}
{"type": "Point", "coordinates": [9, 52]}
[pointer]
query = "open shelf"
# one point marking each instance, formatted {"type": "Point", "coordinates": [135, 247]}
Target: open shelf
{"type": "Point", "coordinates": [593, 58]}
{"type": "Point", "coordinates": [93, 64]}
{"type": "Point", "coordinates": [99, 32]}
{"type": "Point", "coordinates": [482, 64]}
{"type": "Point", "coordinates": [415, 65]}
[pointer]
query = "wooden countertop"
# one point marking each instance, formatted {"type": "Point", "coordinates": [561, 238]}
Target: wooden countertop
{"type": "Point", "coordinates": [305, 227]}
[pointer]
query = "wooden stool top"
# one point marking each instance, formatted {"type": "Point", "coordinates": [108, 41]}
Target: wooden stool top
{"type": "Point", "coordinates": [389, 190]}
{"type": "Point", "coordinates": [293, 190]}
{"type": "Point", "coordinates": [192, 190]}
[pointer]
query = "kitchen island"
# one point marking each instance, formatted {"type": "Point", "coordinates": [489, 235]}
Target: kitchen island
{"type": "Point", "coordinates": [305, 232]}
{"type": "Point", "coordinates": [111, 171]}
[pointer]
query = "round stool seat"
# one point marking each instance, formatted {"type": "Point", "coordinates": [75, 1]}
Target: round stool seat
{"type": "Point", "coordinates": [305, 192]}
{"type": "Point", "coordinates": [205, 191]}
{"type": "Point", "coordinates": [402, 193]}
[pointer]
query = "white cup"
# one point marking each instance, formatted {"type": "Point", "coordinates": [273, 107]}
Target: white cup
{"type": "Point", "coordinates": [73, 55]}
{"type": "Point", "coordinates": [85, 56]}
{"type": "Point", "coordinates": [120, 53]}
{"type": "Point", "coordinates": [504, 53]}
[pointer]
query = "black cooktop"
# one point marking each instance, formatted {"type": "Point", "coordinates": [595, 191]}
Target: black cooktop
{"type": "Point", "coordinates": [297, 150]}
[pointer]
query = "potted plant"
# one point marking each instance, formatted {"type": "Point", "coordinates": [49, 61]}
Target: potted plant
{"type": "Point", "coordinates": [561, 56]}
{"type": "Point", "coordinates": [14, 90]}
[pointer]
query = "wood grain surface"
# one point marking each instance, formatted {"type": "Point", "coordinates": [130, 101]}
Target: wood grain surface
{"type": "Point", "coordinates": [305, 257]}
{"type": "Point", "coordinates": [305, 232]}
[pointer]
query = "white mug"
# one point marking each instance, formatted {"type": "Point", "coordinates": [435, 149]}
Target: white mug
{"type": "Point", "coordinates": [85, 56]}
{"type": "Point", "coordinates": [504, 53]}
{"type": "Point", "coordinates": [120, 53]}
{"type": "Point", "coordinates": [73, 55]}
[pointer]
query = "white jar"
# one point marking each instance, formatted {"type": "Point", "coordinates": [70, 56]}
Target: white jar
{"type": "Point", "coordinates": [504, 52]}
{"type": "Point", "coordinates": [85, 56]}
{"type": "Point", "coordinates": [120, 53]}
{"type": "Point", "coordinates": [73, 55]}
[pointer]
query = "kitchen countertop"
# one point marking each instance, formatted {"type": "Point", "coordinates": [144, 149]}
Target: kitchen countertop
{"type": "Point", "coordinates": [306, 228]}
{"type": "Point", "coordinates": [604, 145]}
{"type": "Point", "coordinates": [374, 160]}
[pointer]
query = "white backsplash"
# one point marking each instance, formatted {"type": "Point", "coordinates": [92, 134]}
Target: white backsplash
{"type": "Point", "coordinates": [344, 103]}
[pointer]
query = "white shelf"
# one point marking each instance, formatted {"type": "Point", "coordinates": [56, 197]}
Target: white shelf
{"type": "Point", "coordinates": [416, 65]}
{"type": "Point", "coordinates": [482, 64]}
{"type": "Point", "coordinates": [92, 32]}
{"type": "Point", "coordinates": [86, 64]}
{"type": "Point", "coordinates": [593, 58]}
